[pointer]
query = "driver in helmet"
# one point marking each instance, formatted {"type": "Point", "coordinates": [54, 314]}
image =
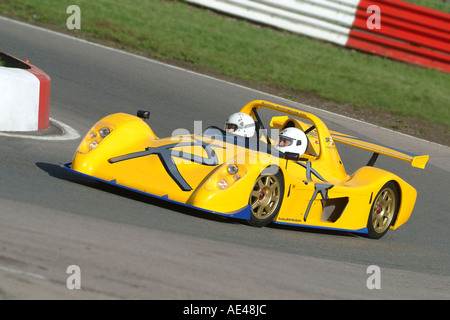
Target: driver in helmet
{"type": "Point", "coordinates": [240, 124]}
{"type": "Point", "coordinates": [292, 140]}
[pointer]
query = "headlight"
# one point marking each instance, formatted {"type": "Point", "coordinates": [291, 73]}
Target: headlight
{"type": "Point", "coordinates": [222, 184]}
{"type": "Point", "coordinates": [93, 144]}
{"type": "Point", "coordinates": [95, 136]}
{"type": "Point", "coordinates": [104, 132]}
{"type": "Point", "coordinates": [226, 177]}
{"type": "Point", "coordinates": [232, 169]}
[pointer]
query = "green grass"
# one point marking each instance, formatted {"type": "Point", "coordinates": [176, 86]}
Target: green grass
{"type": "Point", "coordinates": [433, 4]}
{"type": "Point", "coordinates": [174, 30]}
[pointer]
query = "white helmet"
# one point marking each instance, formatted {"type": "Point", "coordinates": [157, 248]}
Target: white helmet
{"type": "Point", "coordinates": [292, 140]}
{"type": "Point", "coordinates": [241, 124]}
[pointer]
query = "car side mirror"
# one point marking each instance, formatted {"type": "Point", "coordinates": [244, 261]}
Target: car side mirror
{"type": "Point", "coordinates": [143, 114]}
{"type": "Point", "coordinates": [291, 156]}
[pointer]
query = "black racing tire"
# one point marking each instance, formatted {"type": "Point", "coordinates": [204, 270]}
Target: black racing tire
{"type": "Point", "coordinates": [266, 197]}
{"type": "Point", "coordinates": [383, 211]}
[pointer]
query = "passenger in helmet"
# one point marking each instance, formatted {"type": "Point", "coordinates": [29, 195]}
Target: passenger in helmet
{"type": "Point", "coordinates": [240, 124]}
{"type": "Point", "coordinates": [292, 140]}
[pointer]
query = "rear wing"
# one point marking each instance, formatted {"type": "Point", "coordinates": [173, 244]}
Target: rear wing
{"type": "Point", "coordinates": [416, 161]}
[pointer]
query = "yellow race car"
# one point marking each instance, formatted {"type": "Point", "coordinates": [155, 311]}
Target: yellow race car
{"type": "Point", "coordinates": [250, 178]}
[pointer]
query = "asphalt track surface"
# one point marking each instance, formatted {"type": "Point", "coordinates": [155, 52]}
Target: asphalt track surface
{"type": "Point", "coordinates": [131, 247]}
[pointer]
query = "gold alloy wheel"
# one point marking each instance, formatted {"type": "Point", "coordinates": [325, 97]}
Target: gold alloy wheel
{"type": "Point", "coordinates": [383, 210]}
{"type": "Point", "coordinates": [265, 196]}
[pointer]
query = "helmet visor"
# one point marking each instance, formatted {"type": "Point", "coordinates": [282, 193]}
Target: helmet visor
{"type": "Point", "coordinates": [284, 141]}
{"type": "Point", "coordinates": [230, 127]}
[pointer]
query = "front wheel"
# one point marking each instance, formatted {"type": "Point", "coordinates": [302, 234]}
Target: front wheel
{"type": "Point", "coordinates": [266, 197]}
{"type": "Point", "coordinates": [383, 211]}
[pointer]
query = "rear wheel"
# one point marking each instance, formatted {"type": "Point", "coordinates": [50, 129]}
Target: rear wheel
{"type": "Point", "coordinates": [383, 211]}
{"type": "Point", "coordinates": [266, 197]}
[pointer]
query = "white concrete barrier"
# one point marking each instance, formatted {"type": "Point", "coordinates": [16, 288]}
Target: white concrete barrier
{"type": "Point", "coordinates": [329, 20]}
{"type": "Point", "coordinates": [24, 96]}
